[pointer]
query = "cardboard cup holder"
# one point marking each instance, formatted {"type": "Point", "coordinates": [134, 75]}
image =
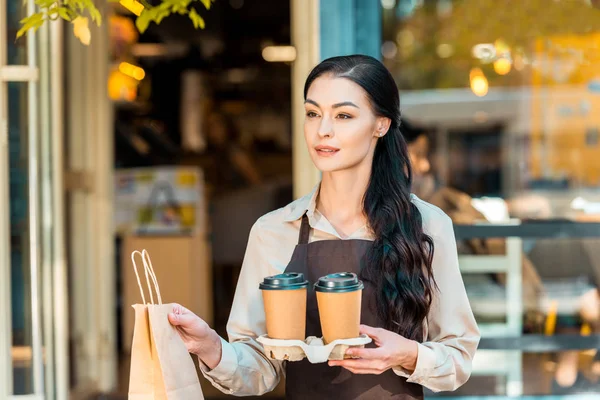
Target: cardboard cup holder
{"type": "Point", "coordinates": [312, 348]}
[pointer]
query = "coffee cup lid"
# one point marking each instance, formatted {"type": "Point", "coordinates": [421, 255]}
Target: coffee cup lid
{"type": "Point", "coordinates": [339, 283]}
{"type": "Point", "coordinates": [287, 281]}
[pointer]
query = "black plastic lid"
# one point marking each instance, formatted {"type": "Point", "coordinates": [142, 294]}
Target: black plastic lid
{"type": "Point", "coordinates": [287, 281]}
{"type": "Point", "coordinates": [339, 283]}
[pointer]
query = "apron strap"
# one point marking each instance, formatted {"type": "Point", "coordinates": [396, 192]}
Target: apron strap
{"type": "Point", "coordinates": [304, 230]}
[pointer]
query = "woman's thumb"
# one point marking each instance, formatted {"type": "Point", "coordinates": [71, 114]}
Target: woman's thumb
{"type": "Point", "coordinates": [180, 316]}
{"type": "Point", "coordinates": [370, 331]}
{"type": "Point", "coordinates": [174, 319]}
{"type": "Point", "coordinates": [181, 319]}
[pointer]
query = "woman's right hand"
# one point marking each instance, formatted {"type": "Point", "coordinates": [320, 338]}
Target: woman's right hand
{"type": "Point", "coordinates": [198, 337]}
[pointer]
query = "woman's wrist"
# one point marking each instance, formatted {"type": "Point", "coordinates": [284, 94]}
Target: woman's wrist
{"type": "Point", "coordinates": [210, 350]}
{"type": "Point", "coordinates": [407, 359]}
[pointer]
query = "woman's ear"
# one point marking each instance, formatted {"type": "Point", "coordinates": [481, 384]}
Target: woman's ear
{"type": "Point", "coordinates": [382, 126]}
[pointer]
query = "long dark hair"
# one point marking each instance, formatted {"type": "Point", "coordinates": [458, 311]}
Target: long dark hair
{"type": "Point", "coordinates": [400, 260]}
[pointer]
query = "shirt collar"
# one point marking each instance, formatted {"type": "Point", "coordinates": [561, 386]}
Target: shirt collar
{"type": "Point", "coordinates": [304, 205]}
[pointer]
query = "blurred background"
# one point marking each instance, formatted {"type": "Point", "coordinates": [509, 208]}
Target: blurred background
{"type": "Point", "coordinates": [176, 140]}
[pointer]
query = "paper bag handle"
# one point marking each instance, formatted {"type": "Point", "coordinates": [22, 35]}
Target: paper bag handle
{"type": "Point", "coordinates": [149, 272]}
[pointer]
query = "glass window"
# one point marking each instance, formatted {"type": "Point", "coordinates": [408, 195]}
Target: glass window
{"type": "Point", "coordinates": [501, 110]}
{"type": "Point", "coordinates": [17, 49]}
{"type": "Point", "coordinates": [19, 240]}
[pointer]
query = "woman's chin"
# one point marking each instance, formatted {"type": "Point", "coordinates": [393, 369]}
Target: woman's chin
{"type": "Point", "coordinates": [328, 167]}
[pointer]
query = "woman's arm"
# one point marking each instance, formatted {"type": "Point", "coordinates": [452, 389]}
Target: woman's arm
{"type": "Point", "coordinates": [444, 361]}
{"type": "Point", "coordinates": [453, 201]}
{"type": "Point", "coordinates": [242, 368]}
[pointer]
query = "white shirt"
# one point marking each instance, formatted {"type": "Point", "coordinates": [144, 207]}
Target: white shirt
{"type": "Point", "coordinates": [450, 338]}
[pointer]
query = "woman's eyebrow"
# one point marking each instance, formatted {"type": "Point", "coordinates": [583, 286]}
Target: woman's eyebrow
{"type": "Point", "coordinates": [336, 105]}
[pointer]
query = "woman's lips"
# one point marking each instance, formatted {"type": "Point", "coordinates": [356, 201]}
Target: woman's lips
{"type": "Point", "coordinates": [326, 151]}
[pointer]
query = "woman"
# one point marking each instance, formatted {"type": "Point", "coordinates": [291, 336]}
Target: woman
{"type": "Point", "coordinates": [458, 206]}
{"type": "Point", "coordinates": [453, 202]}
{"type": "Point", "coordinates": [363, 219]}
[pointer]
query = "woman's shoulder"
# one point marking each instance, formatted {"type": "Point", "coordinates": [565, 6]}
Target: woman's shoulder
{"type": "Point", "coordinates": [434, 219]}
{"type": "Point", "coordinates": [284, 216]}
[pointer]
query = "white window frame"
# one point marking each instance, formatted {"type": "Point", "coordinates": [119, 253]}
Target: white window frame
{"type": "Point", "coordinates": [47, 267]}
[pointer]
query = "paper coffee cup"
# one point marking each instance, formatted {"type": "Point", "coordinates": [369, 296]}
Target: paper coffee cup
{"type": "Point", "coordinates": [284, 298]}
{"type": "Point", "coordinates": [339, 299]}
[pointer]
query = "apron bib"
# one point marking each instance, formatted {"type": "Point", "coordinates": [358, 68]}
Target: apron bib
{"type": "Point", "coordinates": [320, 381]}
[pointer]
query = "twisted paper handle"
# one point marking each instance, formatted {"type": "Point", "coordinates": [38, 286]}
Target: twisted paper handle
{"type": "Point", "coordinates": [149, 272]}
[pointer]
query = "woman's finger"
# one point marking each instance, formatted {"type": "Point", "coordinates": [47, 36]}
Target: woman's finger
{"type": "Point", "coordinates": [373, 333]}
{"type": "Point", "coordinates": [365, 353]}
{"type": "Point", "coordinates": [358, 364]}
{"type": "Point", "coordinates": [175, 319]}
{"type": "Point", "coordinates": [178, 309]}
{"type": "Point", "coordinates": [365, 371]}
{"type": "Point", "coordinates": [184, 319]}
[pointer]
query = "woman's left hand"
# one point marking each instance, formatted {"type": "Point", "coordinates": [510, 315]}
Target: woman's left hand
{"type": "Point", "coordinates": [392, 350]}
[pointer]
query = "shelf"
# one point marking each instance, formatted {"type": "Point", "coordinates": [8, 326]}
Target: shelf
{"type": "Point", "coordinates": [549, 229]}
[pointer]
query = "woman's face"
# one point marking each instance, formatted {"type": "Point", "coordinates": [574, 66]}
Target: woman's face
{"type": "Point", "coordinates": [340, 128]}
{"type": "Point", "coordinates": [418, 151]}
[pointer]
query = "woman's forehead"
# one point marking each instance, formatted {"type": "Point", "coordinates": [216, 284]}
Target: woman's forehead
{"type": "Point", "coordinates": [329, 90]}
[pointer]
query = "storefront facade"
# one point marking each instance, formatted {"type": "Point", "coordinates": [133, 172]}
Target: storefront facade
{"type": "Point", "coordinates": [511, 121]}
{"type": "Point", "coordinates": [54, 114]}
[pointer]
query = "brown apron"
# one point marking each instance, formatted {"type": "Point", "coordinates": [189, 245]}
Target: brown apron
{"type": "Point", "coordinates": [320, 381]}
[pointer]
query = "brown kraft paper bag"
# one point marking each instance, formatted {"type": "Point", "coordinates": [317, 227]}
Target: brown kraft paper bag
{"type": "Point", "coordinates": [161, 367]}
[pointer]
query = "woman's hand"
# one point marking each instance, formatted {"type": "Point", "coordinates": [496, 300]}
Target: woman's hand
{"type": "Point", "coordinates": [392, 350]}
{"type": "Point", "coordinates": [198, 337]}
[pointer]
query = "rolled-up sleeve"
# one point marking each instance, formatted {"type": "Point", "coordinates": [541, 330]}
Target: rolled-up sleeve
{"type": "Point", "coordinates": [244, 369]}
{"type": "Point", "coordinates": [444, 360]}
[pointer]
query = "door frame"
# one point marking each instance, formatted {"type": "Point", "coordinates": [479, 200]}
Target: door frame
{"type": "Point", "coordinates": [46, 235]}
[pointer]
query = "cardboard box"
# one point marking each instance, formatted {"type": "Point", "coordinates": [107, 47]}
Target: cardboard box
{"type": "Point", "coordinates": [182, 265]}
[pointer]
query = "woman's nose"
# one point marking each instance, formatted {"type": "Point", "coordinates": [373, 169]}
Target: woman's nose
{"type": "Point", "coordinates": [326, 128]}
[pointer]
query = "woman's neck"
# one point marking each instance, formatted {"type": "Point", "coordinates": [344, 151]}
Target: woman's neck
{"type": "Point", "coordinates": [341, 199]}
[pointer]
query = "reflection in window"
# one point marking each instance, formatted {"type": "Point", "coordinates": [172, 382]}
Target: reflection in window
{"type": "Point", "coordinates": [501, 112]}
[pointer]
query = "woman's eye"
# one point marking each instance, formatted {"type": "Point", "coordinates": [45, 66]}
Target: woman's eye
{"type": "Point", "coordinates": [344, 116]}
{"type": "Point", "coordinates": [311, 114]}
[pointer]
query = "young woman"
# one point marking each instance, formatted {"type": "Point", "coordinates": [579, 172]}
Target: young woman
{"type": "Point", "coordinates": [451, 201]}
{"type": "Point", "coordinates": [361, 218]}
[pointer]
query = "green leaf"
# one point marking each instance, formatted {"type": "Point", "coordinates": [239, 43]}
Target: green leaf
{"type": "Point", "coordinates": [64, 14]}
{"type": "Point", "coordinates": [45, 3]}
{"type": "Point", "coordinates": [32, 18]}
{"type": "Point", "coordinates": [77, 5]}
{"type": "Point", "coordinates": [143, 21]}
{"type": "Point", "coordinates": [22, 31]}
{"type": "Point", "coordinates": [193, 14]}
{"type": "Point", "coordinates": [34, 21]}
{"type": "Point", "coordinates": [95, 14]}
{"type": "Point", "coordinates": [162, 14]}
{"type": "Point", "coordinates": [38, 25]}
{"type": "Point", "coordinates": [206, 4]}
{"type": "Point", "coordinates": [152, 13]}
{"type": "Point", "coordinates": [196, 19]}
{"type": "Point", "coordinates": [181, 6]}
